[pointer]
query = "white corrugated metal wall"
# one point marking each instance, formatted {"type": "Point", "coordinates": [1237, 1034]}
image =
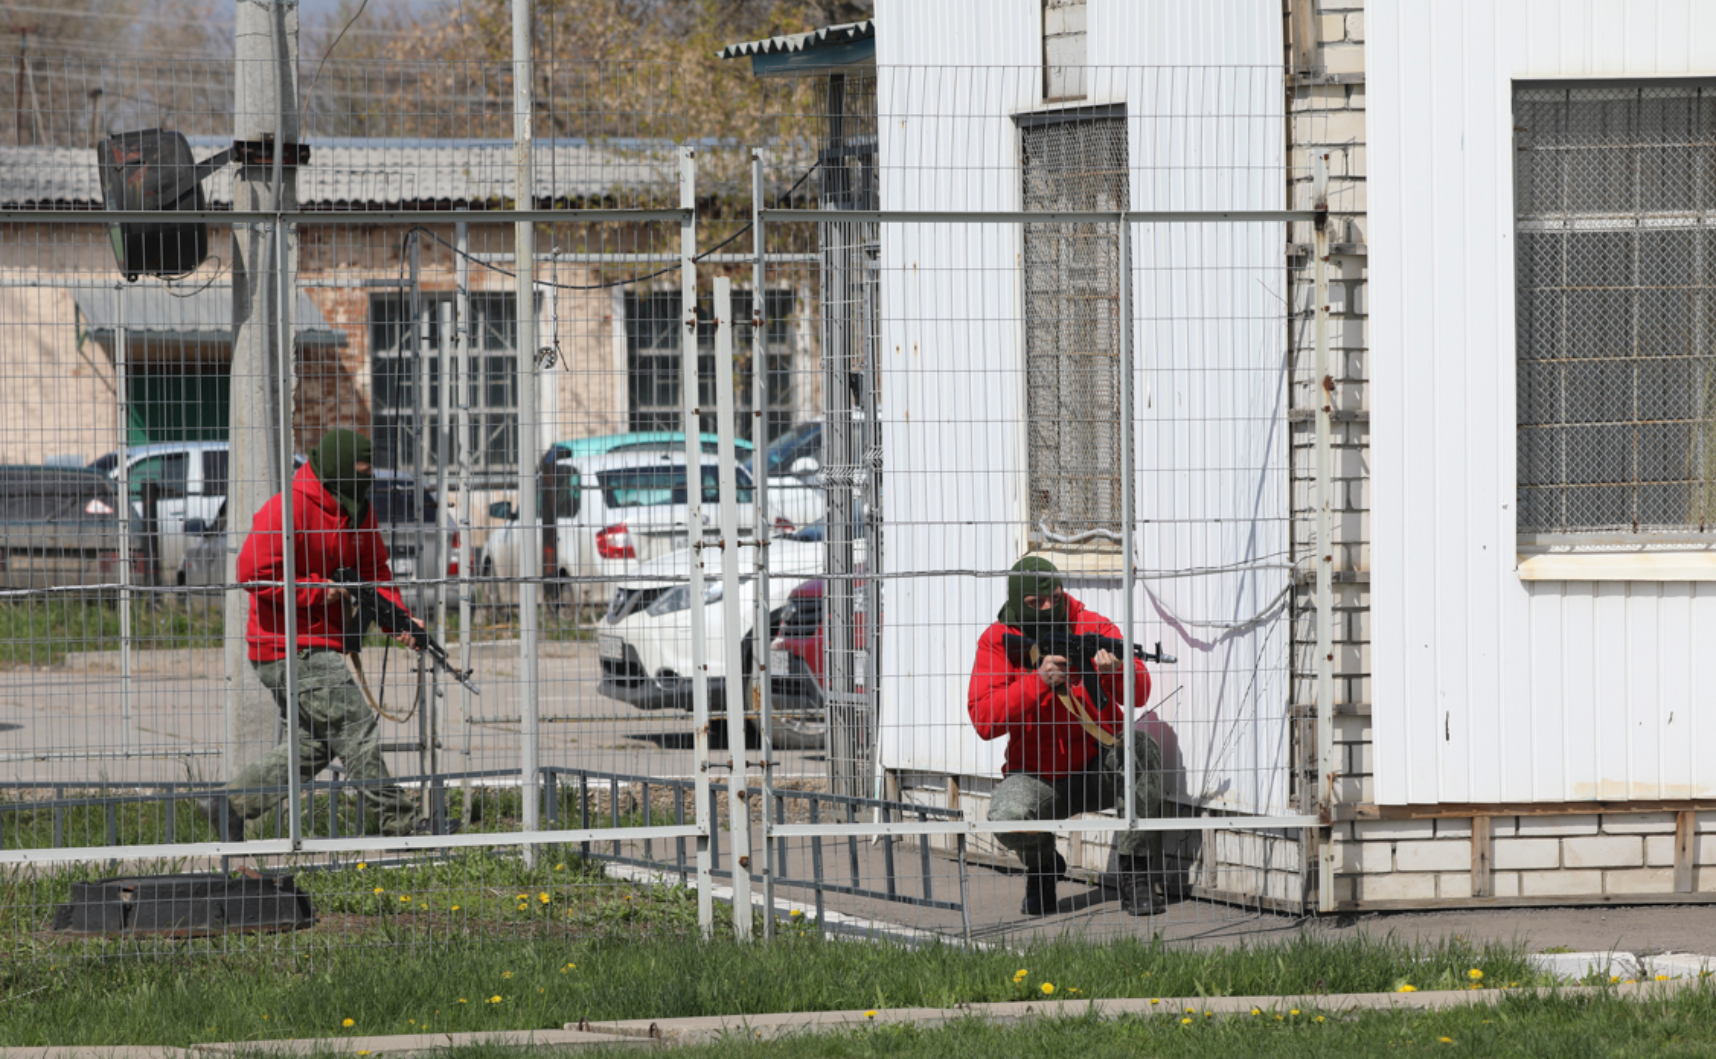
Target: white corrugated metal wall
{"type": "Point", "coordinates": [1488, 688]}
{"type": "Point", "coordinates": [1208, 301]}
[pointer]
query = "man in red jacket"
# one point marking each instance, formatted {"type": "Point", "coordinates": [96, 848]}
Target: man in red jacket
{"type": "Point", "coordinates": [333, 527]}
{"type": "Point", "coordinates": [1065, 753]}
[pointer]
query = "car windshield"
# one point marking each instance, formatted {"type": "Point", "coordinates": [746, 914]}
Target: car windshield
{"type": "Point", "coordinates": [54, 499]}
{"type": "Point", "coordinates": [654, 486]}
{"type": "Point", "coordinates": [802, 440]}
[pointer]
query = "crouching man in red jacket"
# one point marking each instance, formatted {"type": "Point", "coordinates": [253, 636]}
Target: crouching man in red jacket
{"type": "Point", "coordinates": [1065, 753]}
{"type": "Point", "coordinates": [333, 527]}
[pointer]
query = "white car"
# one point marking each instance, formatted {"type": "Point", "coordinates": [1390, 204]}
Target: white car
{"type": "Point", "coordinates": [606, 516]}
{"type": "Point", "coordinates": [644, 640]}
{"type": "Point", "coordinates": [190, 486]}
{"type": "Point", "coordinates": [794, 462]}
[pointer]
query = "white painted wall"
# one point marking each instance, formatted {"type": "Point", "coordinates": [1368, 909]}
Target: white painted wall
{"type": "Point", "coordinates": [1488, 688]}
{"type": "Point", "coordinates": [1210, 348]}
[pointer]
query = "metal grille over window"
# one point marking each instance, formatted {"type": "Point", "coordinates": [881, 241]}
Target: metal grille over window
{"type": "Point", "coordinates": [1616, 378]}
{"type": "Point", "coordinates": [1072, 329]}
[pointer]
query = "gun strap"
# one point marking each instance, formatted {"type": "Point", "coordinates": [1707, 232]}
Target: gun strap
{"type": "Point", "coordinates": [354, 663]}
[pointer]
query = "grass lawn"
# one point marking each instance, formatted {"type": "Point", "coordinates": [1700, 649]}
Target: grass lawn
{"type": "Point", "coordinates": [433, 977]}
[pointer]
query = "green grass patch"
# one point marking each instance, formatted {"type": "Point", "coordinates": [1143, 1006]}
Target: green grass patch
{"type": "Point", "coordinates": [305, 985]}
{"type": "Point", "coordinates": [40, 632]}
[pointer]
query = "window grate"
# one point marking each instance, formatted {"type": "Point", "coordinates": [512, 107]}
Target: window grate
{"type": "Point", "coordinates": [1615, 195]}
{"type": "Point", "coordinates": [1072, 328]}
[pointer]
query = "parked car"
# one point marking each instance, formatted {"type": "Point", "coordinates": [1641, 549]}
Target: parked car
{"type": "Point", "coordinates": [794, 463]}
{"type": "Point", "coordinates": [188, 480]}
{"type": "Point", "coordinates": [64, 526]}
{"type": "Point", "coordinates": [643, 642]}
{"type": "Point", "coordinates": [604, 516]}
{"type": "Point", "coordinates": [407, 517]}
{"type": "Point", "coordinates": [637, 441]}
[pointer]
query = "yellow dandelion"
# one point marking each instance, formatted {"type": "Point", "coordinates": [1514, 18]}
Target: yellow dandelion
{"type": "Point", "coordinates": [560, 867]}
{"type": "Point", "coordinates": [1257, 1011]}
{"type": "Point", "coordinates": [1614, 978]}
{"type": "Point", "coordinates": [455, 908]}
{"type": "Point", "coordinates": [412, 1021]}
{"type": "Point", "coordinates": [543, 897]}
{"type": "Point", "coordinates": [348, 1023]}
{"type": "Point", "coordinates": [1475, 975]}
{"type": "Point", "coordinates": [1191, 1011]}
{"type": "Point", "coordinates": [522, 906]}
{"type": "Point", "coordinates": [1155, 1000]}
{"type": "Point", "coordinates": [1048, 988]}
{"type": "Point", "coordinates": [1319, 1018]}
{"type": "Point", "coordinates": [1445, 1040]}
{"type": "Point", "coordinates": [1281, 1018]}
{"type": "Point", "coordinates": [494, 1000]}
{"type": "Point", "coordinates": [506, 974]}
{"type": "Point", "coordinates": [1185, 1022]}
{"type": "Point", "coordinates": [1294, 1011]}
{"type": "Point", "coordinates": [405, 898]}
{"type": "Point", "coordinates": [361, 865]}
{"type": "Point", "coordinates": [1662, 977]}
{"type": "Point", "coordinates": [1408, 987]}
{"type": "Point", "coordinates": [794, 914]}
{"type": "Point", "coordinates": [870, 1014]}
{"type": "Point", "coordinates": [524, 897]}
{"type": "Point", "coordinates": [461, 1000]}
{"type": "Point", "coordinates": [1075, 989]}
{"type": "Point", "coordinates": [1209, 1014]}
{"type": "Point", "coordinates": [379, 890]}
{"type": "Point", "coordinates": [364, 1052]}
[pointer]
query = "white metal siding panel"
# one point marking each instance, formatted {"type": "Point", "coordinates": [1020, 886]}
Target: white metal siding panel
{"type": "Point", "coordinates": [1488, 688]}
{"type": "Point", "coordinates": [951, 420]}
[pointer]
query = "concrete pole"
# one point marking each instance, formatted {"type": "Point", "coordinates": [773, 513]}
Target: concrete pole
{"type": "Point", "coordinates": [530, 553]}
{"type": "Point", "coordinates": [265, 104]}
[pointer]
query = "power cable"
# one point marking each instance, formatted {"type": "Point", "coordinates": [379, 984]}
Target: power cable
{"type": "Point", "coordinates": [409, 232]}
{"type": "Point", "coordinates": [304, 105]}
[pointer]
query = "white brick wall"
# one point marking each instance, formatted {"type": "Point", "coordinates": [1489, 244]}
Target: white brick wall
{"type": "Point", "coordinates": [1525, 853]}
{"type": "Point", "coordinates": [1441, 855]}
{"type": "Point", "coordinates": [1603, 851]}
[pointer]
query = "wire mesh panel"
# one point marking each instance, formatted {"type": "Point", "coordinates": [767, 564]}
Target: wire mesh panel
{"type": "Point", "coordinates": [1614, 275]}
{"type": "Point", "coordinates": [631, 544]}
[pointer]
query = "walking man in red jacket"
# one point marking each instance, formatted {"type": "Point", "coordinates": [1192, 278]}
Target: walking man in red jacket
{"type": "Point", "coordinates": [1065, 752]}
{"type": "Point", "coordinates": [333, 527]}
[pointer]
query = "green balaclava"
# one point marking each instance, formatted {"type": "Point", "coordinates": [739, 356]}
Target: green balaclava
{"type": "Point", "coordinates": [1033, 576]}
{"type": "Point", "coordinates": [335, 462]}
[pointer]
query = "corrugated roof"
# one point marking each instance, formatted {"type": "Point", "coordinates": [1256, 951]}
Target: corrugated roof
{"type": "Point", "coordinates": [202, 317]}
{"type": "Point", "coordinates": [356, 173]}
{"type": "Point", "coordinates": [826, 37]}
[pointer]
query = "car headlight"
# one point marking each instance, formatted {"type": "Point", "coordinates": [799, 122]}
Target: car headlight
{"type": "Point", "coordinates": [713, 593]}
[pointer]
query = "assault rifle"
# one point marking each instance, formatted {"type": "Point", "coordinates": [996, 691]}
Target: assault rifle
{"type": "Point", "coordinates": [1079, 650]}
{"type": "Point", "coordinates": [375, 608]}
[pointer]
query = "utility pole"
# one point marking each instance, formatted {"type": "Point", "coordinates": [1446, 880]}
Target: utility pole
{"type": "Point", "coordinates": [266, 124]}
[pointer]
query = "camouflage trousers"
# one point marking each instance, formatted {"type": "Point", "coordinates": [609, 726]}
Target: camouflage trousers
{"type": "Point", "coordinates": [1099, 785]}
{"type": "Point", "coordinates": [334, 721]}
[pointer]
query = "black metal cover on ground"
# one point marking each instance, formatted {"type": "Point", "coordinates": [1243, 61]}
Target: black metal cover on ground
{"type": "Point", "coordinates": [185, 905]}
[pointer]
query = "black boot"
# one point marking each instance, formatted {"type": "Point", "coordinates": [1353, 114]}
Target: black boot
{"type": "Point", "coordinates": [227, 823]}
{"type": "Point", "coordinates": [1138, 894]}
{"type": "Point", "coordinates": [1040, 897]}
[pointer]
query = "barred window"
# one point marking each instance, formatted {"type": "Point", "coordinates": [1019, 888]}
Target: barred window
{"type": "Point", "coordinates": [1615, 185]}
{"type": "Point", "coordinates": [1073, 160]}
{"type": "Point", "coordinates": [396, 375]}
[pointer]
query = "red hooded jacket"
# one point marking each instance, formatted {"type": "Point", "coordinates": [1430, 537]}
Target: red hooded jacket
{"type": "Point", "coordinates": [324, 541]}
{"type": "Point", "coordinates": [1046, 741]}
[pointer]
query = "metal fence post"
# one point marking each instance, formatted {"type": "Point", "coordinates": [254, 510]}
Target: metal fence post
{"type": "Point", "coordinates": [1128, 684]}
{"type": "Point", "coordinates": [738, 793]}
{"type": "Point", "coordinates": [761, 634]}
{"type": "Point", "coordinates": [1325, 550]}
{"type": "Point", "coordinates": [694, 531]}
{"type": "Point", "coordinates": [529, 551]}
{"type": "Point", "coordinates": [461, 369]}
{"type": "Point", "coordinates": [121, 341]}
